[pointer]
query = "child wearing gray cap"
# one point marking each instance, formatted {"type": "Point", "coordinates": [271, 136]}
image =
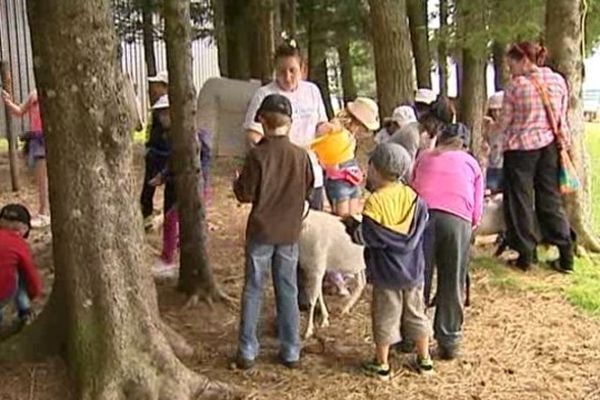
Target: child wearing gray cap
{"type": "Point", "coordinates": [394, 220]}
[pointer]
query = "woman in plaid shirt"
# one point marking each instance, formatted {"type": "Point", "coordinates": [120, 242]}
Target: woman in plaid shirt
{"type": "Point", "coordinates": [531, 193]}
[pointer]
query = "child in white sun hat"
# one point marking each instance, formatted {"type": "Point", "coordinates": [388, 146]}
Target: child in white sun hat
{"type": "Point", "coordinates": [402, 116]}
{"type": "Point", "coordinates": [336, 150]}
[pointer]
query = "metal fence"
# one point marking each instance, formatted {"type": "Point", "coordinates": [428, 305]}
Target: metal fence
{"type": "Point", "coordinates": [15, 48]}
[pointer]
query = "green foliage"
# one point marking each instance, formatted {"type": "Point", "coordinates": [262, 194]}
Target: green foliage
{"type": "Point", "coordinates": [361, 52]}
{"type": "Point", "coordinates": [592, 26]}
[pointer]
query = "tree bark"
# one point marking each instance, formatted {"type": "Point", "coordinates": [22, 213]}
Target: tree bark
{"type": "Point", "coordinates": [564, 39]}
{"type": "Point", "coordinates": [116, 347]}
{"type": "Point", "coordinates": [443, 48]}
{"type": "Point", "coordinates": [218, 7]}
{"type": "Point", "coordinates": [148, 37]}
{"type": "Point", "coordinates": [6, 80]}
{"type": "Point", "coordinates": [237, 31]}
{"type": "Point", "coordinates": [500, 67]}
{"type": "Point", "coordinates": [195, 276]}
{"type": "Point", "coordinates": [393, 59]}
{"type": "Point", "coordinates": [419, 37]}
{"type": "Point", "coordinates": [348, 85]}
{"type": "Point", "coordinates": [317, 57]}
{"type": "Point", "coordinates": [262, 46]}
{"type": "Point", "coordinates": [288, 12]}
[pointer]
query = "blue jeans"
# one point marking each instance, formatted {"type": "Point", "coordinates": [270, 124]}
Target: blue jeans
{"type": "Point", "coordinates": [20, 297]}
{"type": "Point", "coordinates": [282, 260]}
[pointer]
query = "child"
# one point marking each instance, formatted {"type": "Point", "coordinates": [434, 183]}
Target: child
{"type": "Point", "coordinates": [451, 182]}
{"type": "Point", "coordinates": [401, 117]}
{"type": "Point", "coordinates": [19, 278]}
{"type": "Point", "coordinates": [336, 151]}
{"type": "Point", "coordinates": [493, 138]}
{"type": "Point", "coordinates": [165, 265]}
{"type": "Point", "coordinates": [277, 178]}
{"type": "Point", "coordinates": [394, 221]}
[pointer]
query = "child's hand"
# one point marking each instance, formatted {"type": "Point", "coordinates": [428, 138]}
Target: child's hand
{"type": "Point", "coordinates": [157, 180]}
{"type": "Point", "coordinates": [6, 96]}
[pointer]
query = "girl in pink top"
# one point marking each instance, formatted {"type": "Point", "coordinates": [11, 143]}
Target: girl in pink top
{"type": "Point", "coordinates": [36, 151]}
{"type": "Point", "coordinates": [450, 181]}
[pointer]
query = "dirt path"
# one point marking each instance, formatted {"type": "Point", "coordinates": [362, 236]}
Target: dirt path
{"type": "Point", "coordinates": [524, 343]}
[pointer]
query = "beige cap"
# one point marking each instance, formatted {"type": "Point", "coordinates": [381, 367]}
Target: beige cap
{"type": "Point", "coordinates": [495, 100]}
{"type": "Point", "coordinates": [366, 111]}
{"type": "Point", "coordinates": [403, 115]}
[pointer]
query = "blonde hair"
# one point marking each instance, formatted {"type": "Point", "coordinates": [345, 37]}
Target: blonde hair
{"type": "Point", "coordinates": [346, 120]}
{"type": "Point", "coordinates": [276, 123]}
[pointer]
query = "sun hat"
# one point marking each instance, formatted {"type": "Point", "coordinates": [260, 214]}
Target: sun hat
{"type": "Point", "coordinates": [403, 115]}
{"type": "Point", "coordinates": [275, 103]}
{"type": "Point", "coordinates": [424, 95]}
{"type": "Point", "coordinates": [161, 103]}
{"type": "Point", "coordinates": [495, 101]}
{"type": "Point", "coordinates": [162, 77]}
{"type": "Point", "coordinates": [366, 111]}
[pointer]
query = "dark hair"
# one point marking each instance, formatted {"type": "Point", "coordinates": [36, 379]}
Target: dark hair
{"type": "Point", "coordinates": [440, 114]}
{"type": "Point", "coordinates": [289, 48]}
{"type": "Point", "coordinates": [535, 52]}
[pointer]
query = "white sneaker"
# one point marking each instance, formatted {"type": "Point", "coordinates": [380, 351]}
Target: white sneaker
{"type": "Point", "coordinates": [40, 221]}
{"type": "Point", "coordinates": [163, 269]}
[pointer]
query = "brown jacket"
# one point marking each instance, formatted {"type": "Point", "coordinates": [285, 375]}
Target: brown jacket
{"type": "Point", "coordinates": [277, 178]}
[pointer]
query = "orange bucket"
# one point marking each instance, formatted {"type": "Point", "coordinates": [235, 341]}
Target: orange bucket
{"type": "Point", "coordinates": [334, 147]}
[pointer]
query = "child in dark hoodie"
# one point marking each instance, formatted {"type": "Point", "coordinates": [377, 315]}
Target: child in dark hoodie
{"type": "Point", "coordinates": [394, 220]}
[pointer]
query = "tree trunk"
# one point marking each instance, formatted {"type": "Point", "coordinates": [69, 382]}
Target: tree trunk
{"type": "Point", "coordinates": [472, 96]}
{"type": "Point", "coordinates": [419, 37]}
{"type": "Point", "coordinates": [564, 40]}
{"type": "Point", "coordinates": [393, 59]}
{"type": "Point", "coordinates": [195, 276]}
{"type": "Point", "coordinates": [148, 37]}
{"type": "Point", "coordinates": [317, 58]}
{"type": "Point", "coordinates": [348, 85]}
{"type": "Point", "coordinates": [237, 31]}
{"type": "Point", "coordinates": [218, 7]}
{"type": "Point", "coordinates": [288, 11]}
{"type": "Point", "coordinates": [104, 301]}
{"type": "Point", "coordinates": [500, 67]}
{"type": "Point", "coordinates": [6, 81]}
{"type": "Point", "coordinates": [262, 47]}
{"type": "Point", "coordinates": [443, 48]}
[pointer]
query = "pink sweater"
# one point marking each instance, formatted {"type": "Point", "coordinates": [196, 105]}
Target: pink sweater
{"type": "Point", "coordinates": [450, 181]}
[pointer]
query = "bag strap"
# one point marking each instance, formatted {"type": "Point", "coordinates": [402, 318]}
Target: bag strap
{"type": "Point", "coordinates": [549, 110]}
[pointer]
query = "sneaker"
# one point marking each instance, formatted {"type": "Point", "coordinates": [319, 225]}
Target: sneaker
{"type": "Point", "coordinates": [40, 221]}
{"type": "Point", "coordinates": [291, 364]}
{"type": "Point", "coordinates": [377, 370]}
{"type": "Point", "coordinates": [556, 265]}
{"type": "Point", "coordinates": [243, 363]}
{"type": "Point", "coordinates": [424, 365]}
{"type": "Point", "coordinates": [163, 269]}
{"type": "Point", "coordinates": [446, 353]}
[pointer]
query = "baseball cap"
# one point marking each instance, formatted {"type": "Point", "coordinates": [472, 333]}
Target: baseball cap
{"type": "Point", "coordinates": [161, 103]}
{"type": "Point", "coordinates": [403, 115]}
{"type": "Point", "coordinates": [17, 213]}
{"type": "Point", "coordinates": [366, 111]}
{"type": "Point", "coordinates": [275, 103]}
{"type": "Point", "coordinates": [162, 77]}
{"type": "Point", "coordinates": [424, 95]}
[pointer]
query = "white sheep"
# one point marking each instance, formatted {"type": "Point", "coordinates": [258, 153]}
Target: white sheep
{"type": "Point", "coordinates": [492, 220]}
{"type": "Point", "coordinates": [325, 244]}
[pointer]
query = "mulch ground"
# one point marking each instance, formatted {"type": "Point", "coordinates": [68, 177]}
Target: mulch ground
{"type": "Point", "coordinates": [519, 344]}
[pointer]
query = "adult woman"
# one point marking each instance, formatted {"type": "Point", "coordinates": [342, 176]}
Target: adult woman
{"type": "Point", "coordinates": [531, 194]}
{"type": "Point", "coordinates": [36, 150]}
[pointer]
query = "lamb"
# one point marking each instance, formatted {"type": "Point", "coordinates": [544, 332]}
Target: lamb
{"type": "Point", "coordinates": [492, 221]}
{"type": "Point", "coordinates": [324, 243]}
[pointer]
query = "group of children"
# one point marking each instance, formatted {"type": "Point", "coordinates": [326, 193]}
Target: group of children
{"type": "Point", "coordinates": [426, 198]}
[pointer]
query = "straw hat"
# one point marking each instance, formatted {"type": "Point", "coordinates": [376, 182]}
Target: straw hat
{"type": "Point", "coordinates": [366, 111]}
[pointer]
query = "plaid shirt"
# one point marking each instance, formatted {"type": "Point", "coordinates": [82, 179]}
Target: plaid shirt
{"type": "Point", "coordinates": [524, 118]}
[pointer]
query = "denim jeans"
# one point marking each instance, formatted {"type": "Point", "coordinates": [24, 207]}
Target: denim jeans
{"type": "Point", "coordinates": [20, 297]}
{"type": "Point", "coordinates": [282, 260]}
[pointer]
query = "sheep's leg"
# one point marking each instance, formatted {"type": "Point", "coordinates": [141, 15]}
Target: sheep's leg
{"type": "Point", "coordinates": [310, 326]}
{"type": "Point", "coordinates": [324, 312]}
{"type": "Point", "coordinates": [313, 288]}
{"type": "Point", "coordinates": [362, 282]}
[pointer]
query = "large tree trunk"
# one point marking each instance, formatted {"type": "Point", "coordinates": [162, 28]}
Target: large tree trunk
{"type": "Point", "coordinates": [317, 56]}
{"type": "Point", "coordinates": [348, 85]}
{"type": "Point", "coordinates": [443, 48]}
{"type": "Point", "coordinates": [419, 36]}
{"type": "Point", "coordinates": [288, 11]}
{"type": "Point", "coordinates": [104, 301]}
{"type": "Point", "coordinates": [393, 59]}
{"type": "Point", "coordinates": [474, 57]}
{"type": "Point", "coordinates": [6, 81]}
{"type": "Point", "coordinates": [500, 67]}
{"type": "Point", "coordinates": [564, 40]}
{"type": "Point", "coordinates": [237, 33]}
{"type": "Point", "coordinates": [195, 277]}
{"type": "Point", "coordinates": [218, 8]}
{"type": "Point", "coordinates": [262, 13]}
{"type": "Point", "coordinates": [148, 37]}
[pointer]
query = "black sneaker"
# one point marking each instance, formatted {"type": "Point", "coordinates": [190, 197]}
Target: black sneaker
{"type": "Point", "coordinates": [243, 363]}
{"type": "Point", "coordinates": [557, 266]}
{"type": "Point", "coordinates": [447, 353]}
{"type": "Point", "coordinates": [376, 370]}
{"type": "Point", "coordinates": [291, 364]}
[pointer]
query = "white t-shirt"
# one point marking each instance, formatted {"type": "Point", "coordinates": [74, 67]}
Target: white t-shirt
{"type": "Point", "coordinates": [308, 110]}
